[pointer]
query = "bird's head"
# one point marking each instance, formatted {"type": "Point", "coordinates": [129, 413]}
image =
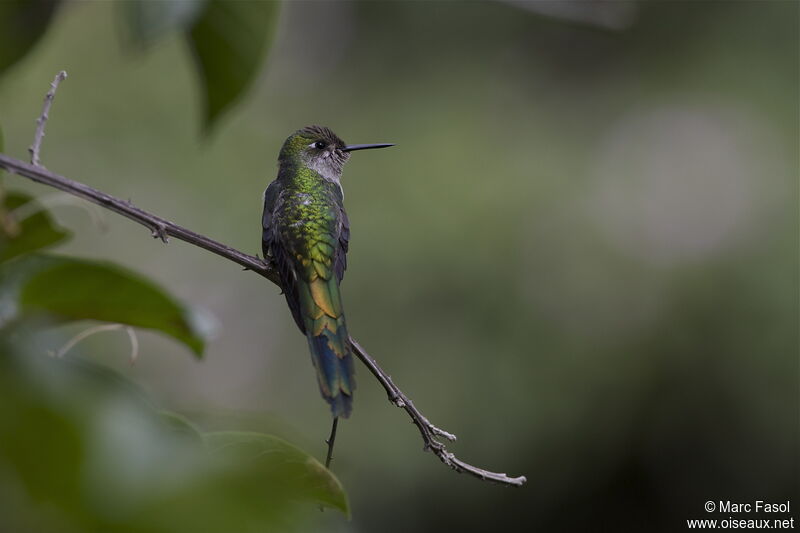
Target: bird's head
{"type": "Point", "coordinates": [318, 148]}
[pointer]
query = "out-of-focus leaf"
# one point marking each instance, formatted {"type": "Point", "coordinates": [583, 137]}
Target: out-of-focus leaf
{"type": "Point", "coordinates": [35, 231]}
{"type": "Point", "coordinates": [229, 42]}
{"type": "Point", "coordinates": [149, 20]}
{"type": "Point", "coordinates": [267, 457]}
{"type": "Point", "coordinates": [66, 289]}
{"type": "Point", "coordinates": [62, 441]}
{"type": "Point", "coordinates": [83, 443]}
{"type": "Point", "coordinates": [180, 424]}
{"type": "Point", "coordinates": [22, 24]}
{"type": "Point", "coordinates": [606, 15]}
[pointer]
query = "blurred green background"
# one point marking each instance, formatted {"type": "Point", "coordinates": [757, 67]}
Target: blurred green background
{"type": "Point", "coordinates": [581, 257]}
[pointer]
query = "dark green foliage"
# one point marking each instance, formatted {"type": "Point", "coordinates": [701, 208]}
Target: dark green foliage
{"type": "Point", "coordinates": [69, 289]}
{"type": "Point", "coordinates": [302, 476]}
{"type": "Point", "coordinates": [66, 289]}
{"type": "Point", "coordinates": [36, 231]}
{"type": "Point", "coordinates": [22, 24]}
{"type": "Point", "coordinates": [229, 42]}
{"type": "Point", "coordinates": [82, 442]}
{"type": "Point", "coordinates": [228, 39]}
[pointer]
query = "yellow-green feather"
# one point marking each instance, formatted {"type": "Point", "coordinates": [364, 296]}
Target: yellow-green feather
{"type": "Point", "coordinates": [327, 335]}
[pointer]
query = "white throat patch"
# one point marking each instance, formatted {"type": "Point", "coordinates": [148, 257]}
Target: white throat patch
{"type": "Point", "coordinates": [326, 167]}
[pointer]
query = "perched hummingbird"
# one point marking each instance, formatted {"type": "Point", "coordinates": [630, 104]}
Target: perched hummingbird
{"type": "Point", "coordinates": [306, 233]}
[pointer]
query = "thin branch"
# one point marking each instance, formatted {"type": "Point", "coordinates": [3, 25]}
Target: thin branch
{"type": "Point", "coordinates": [162, 228]}
{"type": "Point", "coordinates": [41, 122]}
{"type": "Point", "coordinates": [428, 431]}
{"type": "Point", "coordinates": [159, 227]}
{"type": "Point", "coordinates": [331, 440]}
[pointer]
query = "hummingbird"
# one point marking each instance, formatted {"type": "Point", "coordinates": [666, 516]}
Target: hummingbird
{"type": "Point", "coordinates": [306, 235]}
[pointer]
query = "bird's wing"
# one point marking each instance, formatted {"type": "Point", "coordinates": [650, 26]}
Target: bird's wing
{"type": "Point", "coordinates": [340, 257]}
{"type": "Point", "coordinates": [340, 254]}
{"type": "Point", "coordinates": [267, 233]}
{"type": "Point", "coordinates": [272, 246]}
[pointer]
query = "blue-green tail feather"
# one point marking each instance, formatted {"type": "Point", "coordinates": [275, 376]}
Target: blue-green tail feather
{"type": "Point", "coordinates": [334, 372]}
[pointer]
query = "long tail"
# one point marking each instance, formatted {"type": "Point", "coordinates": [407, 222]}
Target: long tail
{"type": "Point", "coordinates": [323, 316]}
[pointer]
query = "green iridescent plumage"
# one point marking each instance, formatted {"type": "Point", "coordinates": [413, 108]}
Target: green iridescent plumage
{"type": "Point", "coordinates": [306, 232]}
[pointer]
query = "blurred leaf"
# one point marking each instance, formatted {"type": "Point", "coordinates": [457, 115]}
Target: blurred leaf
{"type": "Point", "coordinates": [180, 424]}
{"type": "Point", "coordinates": [59, 417]}
{"type": "Point", "coordinates": [81, 449]}
{"type": "Point", "coordinates": [22, 24]}
{"type": "Point", "coordinates": [229, 42]}
{"type": "Point", "coordinates": [267, 457]}
{"type": "Point", "coordinates": [28, 423]}
{"type": "Point", "coordinates": [606, 15]}
{"type": "Point", "coordinates": [149, 20]}
{"type": "Point", "coordinates": [34, 232]}
{"type": "Point", "coordinates": [76, 289]}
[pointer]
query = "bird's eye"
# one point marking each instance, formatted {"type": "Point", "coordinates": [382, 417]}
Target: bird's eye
{"type": "Point", "coordinates": [319, 145]}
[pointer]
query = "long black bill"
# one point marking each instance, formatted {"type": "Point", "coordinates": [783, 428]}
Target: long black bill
{"type": "Point", "coordinates": [353, 147]}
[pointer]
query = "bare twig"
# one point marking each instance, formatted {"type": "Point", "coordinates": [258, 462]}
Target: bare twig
{"type": "Point", "coordinates": [331, 440]}
{"type": "Point", "coordinates": [42, 120]}
{"type": "Point", "coordinates": [161, 228]}
{"type": "Point", "coordinates": [428, 431]}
